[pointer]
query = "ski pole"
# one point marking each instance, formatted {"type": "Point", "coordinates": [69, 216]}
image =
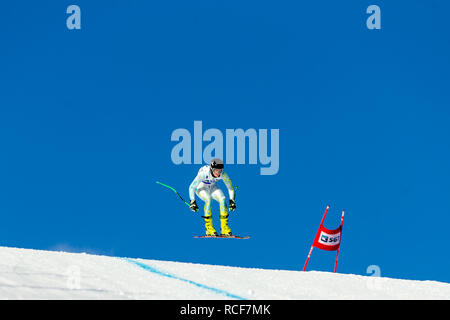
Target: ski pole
{"type": "Point", "coordinates": [165, 185]}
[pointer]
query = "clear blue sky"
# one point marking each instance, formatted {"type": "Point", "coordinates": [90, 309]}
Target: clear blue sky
{"type": "Point", "coordinates": [86, 118]}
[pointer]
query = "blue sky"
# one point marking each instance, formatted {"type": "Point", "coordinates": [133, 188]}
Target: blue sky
{"type": "Point", "coordinates": [86, 118]}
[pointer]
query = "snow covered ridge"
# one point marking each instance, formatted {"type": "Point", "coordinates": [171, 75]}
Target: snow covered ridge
{"type": "Point", "coordinates": [38, 274]}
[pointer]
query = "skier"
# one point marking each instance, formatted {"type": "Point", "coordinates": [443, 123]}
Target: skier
{"type": "Point", "coordinates": [205, 186]}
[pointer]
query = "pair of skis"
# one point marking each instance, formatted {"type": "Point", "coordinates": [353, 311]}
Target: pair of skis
{"type": "Point", "coordinates": [223, 237]}
{"type": "Point", "coordinates": [186, 203]}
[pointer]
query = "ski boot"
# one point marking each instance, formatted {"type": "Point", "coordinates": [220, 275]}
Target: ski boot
{"type": "Point", "coordinates": [210, 231]}
{"type": "Point", "coordinates": [224, 228]}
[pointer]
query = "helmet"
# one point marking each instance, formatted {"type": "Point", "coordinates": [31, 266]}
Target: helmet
{"type": "Point", "coordinates": [216, 163]}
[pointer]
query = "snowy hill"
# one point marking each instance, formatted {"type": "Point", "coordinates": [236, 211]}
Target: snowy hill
{"type": "Point", "coordinates": [37, 274]}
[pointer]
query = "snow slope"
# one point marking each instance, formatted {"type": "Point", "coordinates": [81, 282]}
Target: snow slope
{"type": "Point", "coordinates": [37, 274]}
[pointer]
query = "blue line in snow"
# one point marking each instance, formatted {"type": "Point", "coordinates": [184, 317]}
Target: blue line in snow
{"type": "Point", "coordinates": [171, 276]}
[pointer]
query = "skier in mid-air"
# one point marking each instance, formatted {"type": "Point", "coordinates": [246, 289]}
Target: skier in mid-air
{"type": "Point", "coordinates": [205, 186]}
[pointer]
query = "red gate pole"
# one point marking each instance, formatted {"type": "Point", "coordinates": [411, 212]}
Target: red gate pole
{"type": "Point", "coordinates": [312, 246]}
{"type": "Point", "coordinates": [337, 252]}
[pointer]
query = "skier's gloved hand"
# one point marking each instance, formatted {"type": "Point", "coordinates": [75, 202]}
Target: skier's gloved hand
{"type": "Point", "coordinates": [232, 205]}
{"type": "Point", "coordinates": [193, 206]}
